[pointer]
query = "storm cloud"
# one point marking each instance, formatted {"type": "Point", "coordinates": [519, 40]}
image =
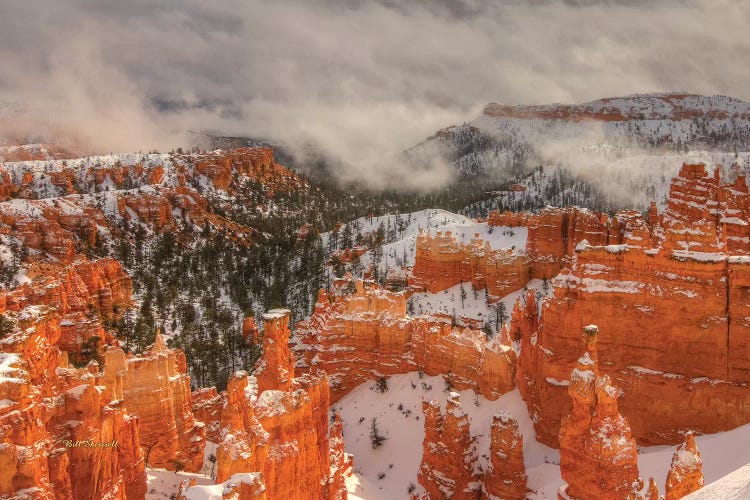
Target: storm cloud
{"type": "Point", "coordinates": [359, 80]}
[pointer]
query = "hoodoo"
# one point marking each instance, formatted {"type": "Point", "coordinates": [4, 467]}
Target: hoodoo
{"type": "Point", "coordinates": [449, 452]}
{"type": "Point", "coordinates": [598, 455]}
{"type": "Point", "coordinates": [686, 471]}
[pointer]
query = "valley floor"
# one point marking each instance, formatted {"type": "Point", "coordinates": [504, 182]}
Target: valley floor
{"type": "Point", "coordinates": [399, 417]}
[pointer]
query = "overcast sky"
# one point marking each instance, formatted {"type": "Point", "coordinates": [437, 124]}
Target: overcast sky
{"type": "Point", "coordinates": [359, 79]}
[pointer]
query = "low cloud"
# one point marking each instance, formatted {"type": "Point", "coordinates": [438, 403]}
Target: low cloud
{"type": "Point", "coordinates": [359, 80]}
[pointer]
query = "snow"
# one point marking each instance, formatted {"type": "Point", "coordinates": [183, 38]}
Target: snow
{"type": "Point", "coordinates": [276, 314]}
{"type": "Point", "coordinates": [722, 452]}
{"type": "Point", "coordinates": [164, 484]}
{"type": "Point", "coordinates": [474, 306]}
{"type": "Point", "coordinates": [733, 486]}
{"type": "Point", "coordinates": [404, 429]}
{"type": "Point", "coordinates": [400, 252]}
{"type": "Point", "coordinates": [9, 368]}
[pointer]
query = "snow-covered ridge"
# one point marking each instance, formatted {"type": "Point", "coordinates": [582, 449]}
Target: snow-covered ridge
{"type": "Point", "coordinates": [637, 106]}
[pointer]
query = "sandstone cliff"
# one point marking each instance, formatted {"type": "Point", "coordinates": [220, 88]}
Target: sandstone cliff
{"type": "Point", "coordinates": [672, 299]}
{"type": "Point", "coordinates": [361, 332]}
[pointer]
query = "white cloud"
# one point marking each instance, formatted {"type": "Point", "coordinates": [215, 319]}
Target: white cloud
{"type": "Point", "coordinates": [362, 80]}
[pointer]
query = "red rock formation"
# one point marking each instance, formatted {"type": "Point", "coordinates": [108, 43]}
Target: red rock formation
{"type": "Point", "coordinates": [157, 389]}
{"type": "Point", "coordinates": [675, 279]}
{"type": "Point", "coordinates": [244, 487]}
{"type": "Point", "coordinates": [449, 452]}
{"type": "Point", "coordinates": [77, 292]}
{"type": "Point", "coordinates": [686, 471]}
{"type": "Point", "coordinates": [553, 235]}
{"type": "Point", "coordinates": [282, 431]}
{"type": "Point", "coordinates": [598, 455]}
{"type": "Point", "coordinates": [275, 369]}
{"type": "Point", "coordinates": [207, 405]}
{"type": "Point", "coordinates": [255, 163]}
{"type": "Point", "coordinates": [340, 461]}
{"type": "Point", "coordinates": [58, 446]}
{"type": "Point", "coordinates": [506, 477]}
{"type": "Point", "coordinates": [359, 333]}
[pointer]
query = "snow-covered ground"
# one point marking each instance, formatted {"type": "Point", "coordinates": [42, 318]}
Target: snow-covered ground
{"type": "Point", "coordinates": [398, 413]}
{"type": "Point", "coordinates": [164, 484]}
{"type": "Point", "coordinates": [474, 304]}
{"type": "Point", "coordinates": [735, 485]}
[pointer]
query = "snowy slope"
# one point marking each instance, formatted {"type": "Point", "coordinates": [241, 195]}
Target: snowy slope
{"type": "Point", "coordinates": [404, 429]}
{"type": "Point", "coordinates": [593, 180]}
{"type": "Point", "coordinates": [722, 452]}
{"type": "Point", "coordinates": [474, 305]}
{"type": "Point", "coordinates": [733, 486]}
{"type": "Point", "coordinates": [400, 244]}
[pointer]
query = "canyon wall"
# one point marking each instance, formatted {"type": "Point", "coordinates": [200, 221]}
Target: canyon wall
{"type": "Point", "coordinates": [360, 332]}
{"type": "Point", "coordinates": [673, 302]}
{"type": "Point", "coordinates": [552, 236]}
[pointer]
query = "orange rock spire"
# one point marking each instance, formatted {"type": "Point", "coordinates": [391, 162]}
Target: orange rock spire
{"type": "Point", "coordinates": [686, 471]}
{"type": "Point", "coordinates": [598, 455]}
{"type": "Point", "coordinates": [275, 369]}
{"type": "Point", "coordinates": [449, 452]}
{"type": "Point", "coordinates": [506, 477]}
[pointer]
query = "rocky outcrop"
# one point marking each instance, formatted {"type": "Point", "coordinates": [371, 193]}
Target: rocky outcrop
{"type": "Point", "coordinates": [450, 466]}
{"type": "Point", "coordinates": [686, 471]}
{"type": "Point", "coordinates": [82, 295]}
{"type": "Point", "coordinates": [207, 405]}
{"type": "Point", "coordinates": [157, 389]}
{"type": "Point", "coordinates": [442, 262]}
{"type": "Point", "coordinates": [282, 432]}
{"type": "Point", "coordinates": [256, 163]}
{"type": "Point", "coordinates": [361, 332]}
{"type": "Point", "coordinates": [552, 237]}
{"type": "Point", "coordinates": [67, 202]}
{"type": "Point", "coordinates": [677, 278]}
{"type": "Point", "coordinates": [598, 455]}
{"type": "Point", "coordinates": [59, 425]}
{"type": "Point", "coordinates": [506, 477]}
{"type": "Point", "coordinates": [449, 452]}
